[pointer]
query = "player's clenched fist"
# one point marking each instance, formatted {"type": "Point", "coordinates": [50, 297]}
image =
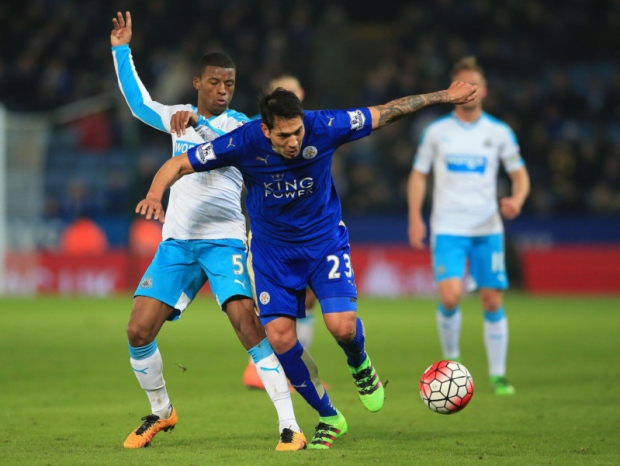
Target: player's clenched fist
{"type": "Point", "coordinates": [509, 207]}
{"type": "Point", "coordinates": [461, 92]}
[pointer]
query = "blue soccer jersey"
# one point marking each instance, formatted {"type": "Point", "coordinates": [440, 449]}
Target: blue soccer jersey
{"type": "Point", "coordinates": [290, 201]}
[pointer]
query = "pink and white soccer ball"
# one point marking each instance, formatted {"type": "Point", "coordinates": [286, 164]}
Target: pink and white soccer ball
{"type": "Point", "coordinates": [446, 387]}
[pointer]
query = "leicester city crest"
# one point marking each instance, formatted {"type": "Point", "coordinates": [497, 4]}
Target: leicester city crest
{"type": "Point", "coordinates": [264, 298]}
{"type": "Point", "coordinates": [309, 152]}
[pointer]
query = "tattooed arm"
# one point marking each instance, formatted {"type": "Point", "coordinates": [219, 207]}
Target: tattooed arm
{"type": "Point", "coordinates": [458, 93]}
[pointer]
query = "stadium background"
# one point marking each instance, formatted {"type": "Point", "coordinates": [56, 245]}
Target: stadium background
{"type": "Point", "coordinates": [71, 149]}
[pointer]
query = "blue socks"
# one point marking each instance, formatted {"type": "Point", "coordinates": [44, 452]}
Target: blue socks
{"type": "Point", "coordinates": [354, 350]}
{"type": "Point", "coordinates": [304, 377]}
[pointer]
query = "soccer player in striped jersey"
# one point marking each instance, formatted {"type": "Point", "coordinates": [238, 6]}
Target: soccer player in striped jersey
{"type": "Point", "coordinates": [297, 235]}
{"type": "Point", "coordinates": [204, 238]}
{"type": "Point", "coordinates": [465, 149]}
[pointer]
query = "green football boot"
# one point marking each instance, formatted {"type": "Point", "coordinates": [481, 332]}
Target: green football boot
{"type": "Point", "coordinates": [329, 429]}
{"type": "Point", "coordinates": [368, 386]}
{"type": "Point", "coordinates": [501, 386]}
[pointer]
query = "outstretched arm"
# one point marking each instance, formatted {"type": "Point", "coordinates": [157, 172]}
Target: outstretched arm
{"type": "Point", "coordinates": [168, 174]}
{"type": "Point", "coordinates": [140, 103]}
{"type": "Point", "coordinates": [458, 93]}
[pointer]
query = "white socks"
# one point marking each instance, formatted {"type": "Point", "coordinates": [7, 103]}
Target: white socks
{"type": "Point", "coordinates": [272, 375]}
{"type": "Point", "coordinates": [149, 372]}
{"type": "Point", "coordinates": [449, 326]}
{"type": "Point", "coordinates": [496, 341]}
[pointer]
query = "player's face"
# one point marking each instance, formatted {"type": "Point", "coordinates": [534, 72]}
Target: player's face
{"type": "Point", "coordinates": [286, 136]}
{"type": "Point", "coordinates": [473, 77]}
{"type": "Point", "coordinates": [215, 89]}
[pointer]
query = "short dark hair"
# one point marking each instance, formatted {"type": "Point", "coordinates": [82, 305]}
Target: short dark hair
{"type": "Point", "coordinates": [279, 103]}
{"type": "Point", "coordinates": [215, 59]}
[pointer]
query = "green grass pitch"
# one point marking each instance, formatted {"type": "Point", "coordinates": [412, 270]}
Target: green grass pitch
{"type": "Point", "coordinates": [68, 394]}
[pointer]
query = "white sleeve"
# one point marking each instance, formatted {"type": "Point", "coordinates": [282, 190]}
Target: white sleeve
{"type": "Point", "coordinates": [423, 160]}
{"type": "Point", "coordinates": [510, 153]}
{"type": "Point", "coordinates": [142, 106]}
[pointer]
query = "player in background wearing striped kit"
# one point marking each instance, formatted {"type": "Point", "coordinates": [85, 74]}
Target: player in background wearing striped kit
{"type": "Point", "coordinates": [464, 149]}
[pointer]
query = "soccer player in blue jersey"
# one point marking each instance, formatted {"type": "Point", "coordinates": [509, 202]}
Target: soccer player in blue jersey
{"type": "Point", "coordinates": [305, 325]}
{"type": "Point", "coordinates": [464, 149]}
{"type": "Point", "coordinates": [297, 236]}
{"type": "Point", "coordinates": [204, 238]}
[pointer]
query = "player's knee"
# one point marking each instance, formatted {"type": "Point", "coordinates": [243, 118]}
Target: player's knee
{"type": "Point", "coordinates": [281, 333]}
{"type": "Point", "coordinates": [450, 293]}
{"type": "Point", "coordinates": [138, 335]}
{"type": "Point", "coordinates": [344, 335]}
{"type": "Point", "coordinates": [491, 300]}
{"type": "Point", "coordinates": [491, 305]}
{"type": "Point", "coordinates": [282, 342]}
{"type": "Point", "coordinates": [450, 300]}
{"type": "Point", "coordinates": [342, 325]}
{"type": "Point", "coordinates": [344, 331]}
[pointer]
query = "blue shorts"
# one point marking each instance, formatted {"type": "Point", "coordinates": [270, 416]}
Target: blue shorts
{"type": "Point", "coordinates": [487, 266]}
{"type": "Point", "coordinates": [181, 267]}
{"type": "Point", "coordinates": [280, 275]}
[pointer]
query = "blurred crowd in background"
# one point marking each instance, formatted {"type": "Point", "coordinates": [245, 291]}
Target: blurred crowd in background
{"type": "Point", "coordinates": [552, 69]}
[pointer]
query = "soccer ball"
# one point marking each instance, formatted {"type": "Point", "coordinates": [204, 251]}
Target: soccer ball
{"type": "Point", "coordinates": [446, 387]}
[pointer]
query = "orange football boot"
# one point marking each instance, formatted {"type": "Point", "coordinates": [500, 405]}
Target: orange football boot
{"type": "Point", "coordinates": [142, 436]}
{"type": "Point", "coordinates": [291, 441]}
